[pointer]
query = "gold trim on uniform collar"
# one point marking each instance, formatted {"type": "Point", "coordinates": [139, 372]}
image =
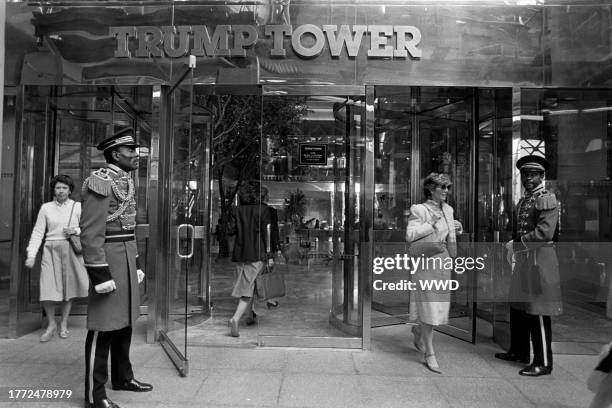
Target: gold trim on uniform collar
{"type": "Point", "coordinates": [117, 170]}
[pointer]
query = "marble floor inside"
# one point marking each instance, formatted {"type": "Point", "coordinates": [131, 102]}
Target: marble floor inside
{"type": "Point", "coordinates": [305, 311]}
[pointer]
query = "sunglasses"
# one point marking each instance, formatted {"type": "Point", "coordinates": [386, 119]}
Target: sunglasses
{"type": "Point", "coordinates": [445, 187]}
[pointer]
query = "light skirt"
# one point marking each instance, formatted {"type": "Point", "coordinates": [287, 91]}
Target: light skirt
{"type": "Point", "coordinates": [244, 278]}
{"type": "Point", "coordinates": [62, 273]}
{"type": "Point", "coordinates": [431, 306]}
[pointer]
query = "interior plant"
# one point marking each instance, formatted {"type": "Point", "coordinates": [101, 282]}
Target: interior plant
{"type": "Point", "coordinates": [295, 206]}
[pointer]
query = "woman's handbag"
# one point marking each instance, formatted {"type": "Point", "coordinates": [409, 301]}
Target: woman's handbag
{"type": "Point", "coordinates": [74, 240]}
{"type": "Point", "coordinates": [426, 246]}
{"type": "Point", "coordinates": [270, 283]}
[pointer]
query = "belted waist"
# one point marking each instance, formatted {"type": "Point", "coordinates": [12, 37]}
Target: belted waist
{"type": "Point", "coordinates": [120, 236]}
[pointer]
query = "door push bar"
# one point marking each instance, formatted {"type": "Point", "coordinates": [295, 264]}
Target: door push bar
{"type": "Point", "coordinates": [178, 241]}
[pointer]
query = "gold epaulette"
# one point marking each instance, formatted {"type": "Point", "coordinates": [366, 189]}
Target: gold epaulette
{"type": "Point", "coordinates": [546, 201]}
{"type": "Point", "coordinates": [99, 182]}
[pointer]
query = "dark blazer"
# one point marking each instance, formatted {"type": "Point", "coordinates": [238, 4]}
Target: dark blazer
{"type": "Point", "coordinates": [251, 221]}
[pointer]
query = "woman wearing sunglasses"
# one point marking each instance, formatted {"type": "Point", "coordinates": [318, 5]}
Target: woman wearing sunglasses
{"type": "Point", "coordinates": [432, 220]}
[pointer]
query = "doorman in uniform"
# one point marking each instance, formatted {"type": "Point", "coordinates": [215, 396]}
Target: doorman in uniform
{"type": "Point", "coordinates": [535, 288]}
{"type": "Point", "coordinates": [109, 250]}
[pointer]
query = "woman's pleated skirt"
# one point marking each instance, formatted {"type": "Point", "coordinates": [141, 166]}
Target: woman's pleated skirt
{"type": "Point", "coordinates": [62, 273]}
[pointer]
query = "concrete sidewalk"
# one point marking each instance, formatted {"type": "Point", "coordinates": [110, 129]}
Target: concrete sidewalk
{"type": "Point", "coordinates": [390, 375]}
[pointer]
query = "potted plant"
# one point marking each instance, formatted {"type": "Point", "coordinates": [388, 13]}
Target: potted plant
{"type": "Point", "coordinates": [295, 207]}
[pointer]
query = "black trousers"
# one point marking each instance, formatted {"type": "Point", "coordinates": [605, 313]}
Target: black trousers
{"type": "Point", "coordinates": [526, 328]}
{"type": "Point", "coordinates": [97, 346]}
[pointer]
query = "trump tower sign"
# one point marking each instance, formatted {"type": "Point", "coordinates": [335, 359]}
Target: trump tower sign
{"type": "Point", "coordinates": [306, 40]}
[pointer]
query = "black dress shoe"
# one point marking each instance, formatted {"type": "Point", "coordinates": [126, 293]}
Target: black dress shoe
{"type": "Point", "coordinates": [105, 403]}
{"type": "Point", "coordinates": [133, 385]}
{"type": "Point", "coordinates": [512, 357]}
{"type": "Point", "coordinates": [535, 371]}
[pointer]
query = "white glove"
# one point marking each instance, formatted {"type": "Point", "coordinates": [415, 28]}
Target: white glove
{"type": "Point", "coordinates": [141, 275]}
{"type": "Point", "coordinates": [105, 287]}
{"type": "Point", "coordinates": [29, 263]}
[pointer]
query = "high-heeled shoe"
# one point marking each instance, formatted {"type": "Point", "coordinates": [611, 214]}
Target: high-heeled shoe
{"type": "Point", "coordinates": [432, 363]}
{"type": "Point", "coordinates": [47, 335]}
{"type": "Point", "coordinates": [417, 342]}
{"type": "Point", "coordinates": [233, 326]}
{"type": "Point", "coordinates": [272, 303]}
{"type": "Point", "coordinates": [64, 333]}
{"type": "Point", "coordinates": [251, 319]}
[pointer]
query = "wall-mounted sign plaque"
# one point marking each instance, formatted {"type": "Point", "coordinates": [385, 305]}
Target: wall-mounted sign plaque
{"type": "Point", "coordinates": [312, 154]}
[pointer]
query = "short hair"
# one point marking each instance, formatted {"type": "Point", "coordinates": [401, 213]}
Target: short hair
{"type": "Point", "coordinates": [62, 178]}
{"type": "Point", "coordinates": [433, 180]}
{"type": "Point", "coordinates": [249, 192]}
{"type": "Point", "coordinates": [108, 154]}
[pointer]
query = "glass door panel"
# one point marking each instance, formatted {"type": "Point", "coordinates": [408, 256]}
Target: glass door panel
{"type": "Point", "coordinates": [311, 166]}
{"type": "Point", "coordinates": [233, 158]}
{"type": "Point", "coordinates": [186, 221]}
{"type": "Point", "coordinates": [83, 116]}
{"type": "Point", "coordinates": [420, 130]}
{"type": "Point", "coordinates": [494, 208]}
{"type": "Point", "coordinates": [61, 127]}
{"type": "Point", "coordinates": [394, 138]}
{"type": "Point", "coordinates": [445, 140]}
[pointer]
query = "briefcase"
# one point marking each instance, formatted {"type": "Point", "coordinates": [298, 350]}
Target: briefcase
{"type": "Point", "coordinates": [270, 283]}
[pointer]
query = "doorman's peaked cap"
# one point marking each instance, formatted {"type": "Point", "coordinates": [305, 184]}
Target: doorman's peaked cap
{"type": "Point", "coordinates": [124, 137]}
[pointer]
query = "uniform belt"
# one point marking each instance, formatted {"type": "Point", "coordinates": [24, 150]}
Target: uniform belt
{"type": "Point", "coordinates": [120, 236]}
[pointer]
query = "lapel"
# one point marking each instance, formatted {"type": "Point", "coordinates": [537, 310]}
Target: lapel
{"type": "Point", "coordinates": [451, 240]}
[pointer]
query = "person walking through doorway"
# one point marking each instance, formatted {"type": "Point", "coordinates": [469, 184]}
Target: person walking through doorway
{"type": "Point", "coordinates": [251, 218]}
{"type": "Point", "coordinates": [434, 218]}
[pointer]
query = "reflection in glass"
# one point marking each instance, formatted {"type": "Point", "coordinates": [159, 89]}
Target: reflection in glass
{"type": "Point", "coordinates": [573, 129]}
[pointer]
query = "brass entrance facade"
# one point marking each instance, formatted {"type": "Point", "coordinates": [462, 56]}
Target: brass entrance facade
{"type": "Point", "coordinates": [335, 217]}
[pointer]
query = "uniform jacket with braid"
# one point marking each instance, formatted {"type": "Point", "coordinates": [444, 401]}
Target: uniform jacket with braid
{"type": "Point", "coordinates": [536, 285]}
{"type": "Point", "coordinates": [108, 220]}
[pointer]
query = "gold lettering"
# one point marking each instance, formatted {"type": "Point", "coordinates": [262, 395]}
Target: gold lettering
{"type": "Point", "coordinates": [278, 33]}
{"type": "Point", "coordinates": [122, 34]}
{"type": "Point", "coordinates": [344, 37]}
{"type": "Point", "coordinates": [245, 36]}
{"type": "Point", "coordinates": [169, 40]}
{"type": "Point", "coordinates": [149, 40]}
{"type": "Point", "coordinates": [203, 45]}
{"type": "Point", "coordinates": [402, 44]}
{"type": "Point", "coordinates": [376, 41]}
{"type": "Point", "coordinates": [315, 32]}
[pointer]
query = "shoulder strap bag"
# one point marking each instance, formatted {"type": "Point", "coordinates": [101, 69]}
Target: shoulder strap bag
{"type": "Point", "coordinates": [426, 246]}
{"type": "Point", "coordinates": [73, 239]}
{"type": "Point", "coordinates": [270, 283]}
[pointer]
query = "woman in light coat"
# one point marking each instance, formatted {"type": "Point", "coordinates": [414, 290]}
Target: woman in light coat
{"type": "Point", "coordinates": [62, 273]}
{"type": "Point", "coordinates": [430, 307]}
